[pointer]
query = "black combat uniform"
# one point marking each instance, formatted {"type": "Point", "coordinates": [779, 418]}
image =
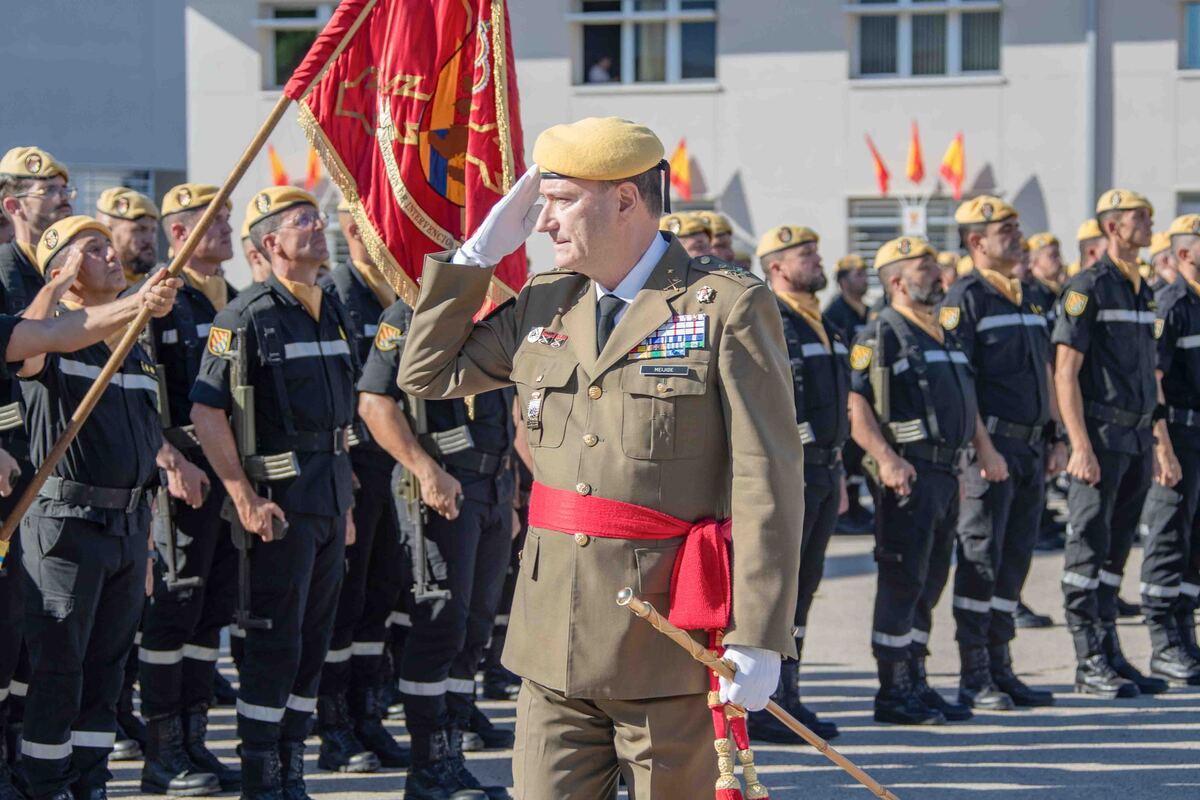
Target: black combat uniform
{"type": "Point", "coordinates": [303, 372]}
{"type": "Point", "coordinates": [11, 615]}
{"type": "Point", "coordinates": [845, 318]}
{"type": "Point", "coordinates": [842, 316]}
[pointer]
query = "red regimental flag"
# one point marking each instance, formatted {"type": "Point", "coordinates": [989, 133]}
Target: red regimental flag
{"type": "Point", "coordinates": [412, 107]}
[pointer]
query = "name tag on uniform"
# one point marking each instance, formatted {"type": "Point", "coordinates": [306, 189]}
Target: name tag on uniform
{"type": "Point", "coordinates": [663, 369]}
{"type": "Point", "coordinates": [673, 338]}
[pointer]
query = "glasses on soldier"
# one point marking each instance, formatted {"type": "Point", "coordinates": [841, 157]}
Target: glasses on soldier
{"type": "Point", "coordinates": [307, 219]}
{"type": "Point", "coordinates": [69, 191]}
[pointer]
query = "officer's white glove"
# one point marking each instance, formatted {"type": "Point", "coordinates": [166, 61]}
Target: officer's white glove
{"type": "Point", "coordinates": [756, 677]}
{"type": "Point", "coordinates": [507, 225]}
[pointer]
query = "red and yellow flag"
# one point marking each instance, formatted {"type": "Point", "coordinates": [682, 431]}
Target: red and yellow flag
{"type": "Point", "coordinates": [412, 107]}
{"type": "Point", "coordinates": [882, 176]}
{"type": "Point", "coordinates": [681, 172]}
{"type": "Point", "coordinates": [312, 173]}
{"type": "Point", "coordinates": [279, 176]}
{"type": "Point", "coordinates": [954, 165]}
{"type": "Point", "coordinates": [916, 164]}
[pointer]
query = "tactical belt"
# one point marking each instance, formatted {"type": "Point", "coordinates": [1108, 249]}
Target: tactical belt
{"type": "Point", "coordinates": [1187, 417]}
{"type": "Point", "coordinates": [1029, 434]}
{"type": "Point", "coordinates": [940, 455]}
{"type": "Point", "coordinates": [333, 441]}
{"type": "Point", "coordinates": [182, 437]}
{"type": "Point", "coordinates": [822, 456]}
{"type": "Point", "coordinates": [82, 494]}
{"type": "Point", "coordinates": [1117, 416]}
{"type": "Point", "coordinates": [483, 463]}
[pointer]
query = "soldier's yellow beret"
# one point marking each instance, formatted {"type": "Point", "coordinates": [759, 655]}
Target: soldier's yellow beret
{"type": "Point", "coordinates": [1121, 200]}
{"type": "Point", "coordinates": [1072, 269]}
{"type": "Point", "coordinates": [902, 249]}
{"type": "Point", "coordinates": [271, 201]}
{"type": "Point", "coordinates": [852, 261]}
{"type": "Point", "coordinates": [31, 162]}
{"type": "Point", "coordinates": [965, 265]}
{"type": "Point", "coordinates": [982, 210]}
{"type": "Point", "coordinates": [1040, 240]}
{"type": "Point", "coordinates": [189, 197]}
{"type": "Point", "coordinates": [60, 234]}
{"type": "Point", "coordinates": [597, 149]}
{"type": "Point", "coordinates": [682, 224]}
{"type": "Point", "coordinates": [1090, 229]}
{"type": "Point", "coordinates": [717, 223]}
{"type": "Point", "coordinates": [946, 258]}
{"type": "Point", "coordinates": [781, 237]}
{"type": "Point", "coordinates": [1187, 224]}
{"type": "Point", "coordinates": [126, 204]}
{"type": "Point", "coordinates": [1160, 241]}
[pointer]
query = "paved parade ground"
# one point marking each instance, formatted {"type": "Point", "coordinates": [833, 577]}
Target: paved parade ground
{"type": "Point", "coordinates": [1082, 748]}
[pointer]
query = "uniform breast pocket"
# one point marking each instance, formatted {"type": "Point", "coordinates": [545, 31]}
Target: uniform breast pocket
{"type": "Point", "coordinates": [547, 392]}
{"type": "Point", "coordinates": [665, 410]}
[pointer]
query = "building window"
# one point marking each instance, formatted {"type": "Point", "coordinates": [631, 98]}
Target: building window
{"type": "Point", "coordinates": [286, 31]}
{"type": "Point", "coordinates": [871, 221]}
{"type": "Point", "coordinates": [645, 41]}
{"type": "Point", "coordinates": [1190, 51]}
{"type": "Point", "coordinates": [921, 38]}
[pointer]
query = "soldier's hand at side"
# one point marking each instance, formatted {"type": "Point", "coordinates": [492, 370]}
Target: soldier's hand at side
{"type": "Point", "coordinates": [256, 514]}
{"type": "Point", "coordinates": [440, 491]}
{"type": "Point", "coordinates": [897, 475]}
{"type": "Point", "coordinates": [1083, 465]}
{"type": "Point", "coordinates": [844, 501]}
{"type": "Point", "coordinates": [1167, 471]}
{"type": "Point", "coordinates": [9, 472]}
{"type": "Point", "coordinates": [509, 223]}
{"type": "Point", "coordinates": [158, 293]}
{"type": "Point", "coordinates": [756, 677]}
{"type": "Point", "coordinates": [992, 465]}
{"type": "Point", "coordinates": [351, 528]}
{"type": "Point", "coordinates": [186, 482]}
{"type": "Point", "coordinates": [1056, 459]}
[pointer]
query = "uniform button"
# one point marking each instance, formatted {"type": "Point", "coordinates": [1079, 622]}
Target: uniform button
{"type": "Point", "coordinates": [705, 259]}
{"type": "Point", "coordinates": [661, 388]}
{"type": "Point", "coordinates": [539, 378]}
{"type": "Point", "coordinates": [594, 392]}
{"type": "Point", "coordinates": [590, 439]}
{"type": "Point", "coordinates": [582, 539]}
{"type": "Point", "coordinates": [583, 488]}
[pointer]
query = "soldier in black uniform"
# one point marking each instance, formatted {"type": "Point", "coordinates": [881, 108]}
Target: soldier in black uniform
{"type": "Point", "coordinates": [1104, 376]}
{"type": "Point", "coordinates": [1016, 440]}
{"type": "Point", "coordinates": [352, 701]}
{"type": "Point", "coordinates": [302, 369]}
{"type": "Point", "coordinates": [468, 554]}
{"type": "Point", "coordinates": [790, 259]}
{"type": "Point", "coordinates": [133, 219]}
{"type": "Point", "coordinates": [181, 632]}
{"type": "Point", "coordinates": [1170, 582]}
{"type": "Point", "coordinates": [84, 540]}
{"type": "Point", "coordinates": [913, 410]}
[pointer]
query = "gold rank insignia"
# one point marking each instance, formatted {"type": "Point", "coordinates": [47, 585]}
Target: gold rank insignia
{"type": "Point", "coordinates": [219, 340]}
{"type": "Point", "coordinates": [1074, 303]}
{"type": "Point", "coordinates": [388, 337]}
{"type": "Point", "coordinates": [860, 356]}
{"type": "Point", "coordinates": [1158, 328]}
{"type": "Point", "coordinates": [949, 316]}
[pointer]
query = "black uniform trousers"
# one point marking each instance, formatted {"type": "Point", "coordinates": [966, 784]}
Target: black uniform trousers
{"type": "Point", "coordinates": [11, 606]}
{"type": "Point", "coordinates": [84, 587]}
{"type": "Point", "coordinates": [469, 557]}
{"type": "Point", "coordinates": [294, 582]}
{"type": "Point", "coordinates": [1170, 578]}
{"type": "Point", "coordinates": [181, 632]}
{"type": "Point", "coordinates": [914, 538]}
{"type": "Point", "coordinates": [371, 586]}
{"type": "Point", "coordinates": [1102, 520]}
{"type": "Point", "coordinates": [998, 525]}
{"type": "Point", "coordinates": [822, 495]}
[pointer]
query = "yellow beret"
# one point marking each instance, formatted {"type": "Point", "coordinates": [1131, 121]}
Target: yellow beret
{"type": "Point", "coordinates": [60, 234]}
{"type": "Point", "coordinates": [31, 162]}
{"type": "Point", "coordinates": [271, 201]}
{"type": "Point", "coordinates": [965, 265]}
{"type": "Point", "coordinates": [597, 149]}
{"type": "Point", "coordinates": [902, 249]}
{"type": "Point", "coordinates": [982, 210]}
{"type": "Point", "coordinates": [781, 237]}
{"type": "Point", "coordinates": [946, 258]}
{"type": "Point", "coordinates": [1160, 241]}
{"type": "Point", "coordinates": [717, 223]}
{"type": "Point", "coordinates": [1121, 200]}
{"type": "Point", "coordinates": [1040, 240]}
{"type": "Point", "coordinates": [1072, 269]}
{"type": "Point", "coordinates": [189, 197]}
{"type": "Point", "coordinates": [852, 261]}
{"type": "Point", "coordinates": [1090, 229]}
{"type": "Point", "coordinates": [126, 204]}
{"type": "Point", "coordinates": [1188, 224]}
{"type": "Point", "coordinates": [682, 224]}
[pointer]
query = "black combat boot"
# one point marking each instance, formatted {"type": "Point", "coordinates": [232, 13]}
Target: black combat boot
{"type": "Point", "coordinates": [168, 770]}
{"type": "Point", "coordinates": [500, 684]}
{"type": "Point", "coordinates": [262, 774]}
{"type": "Point", "coordinates": [195, 732]}
{"type": "Point", "coordinates": [367, 707]}
{"type": "Point", "coordinates": [975, 686]}
{"type": "Point", "coordinates": [1170, 659]}
{"type": "Point", "coordinates": [896, 701]}
{"type": "Point", "coordinates": [7, 790]}
{"type": "Point", "coordinates": [1093, 673]}
{"type": "Point", "coordinates": [762, 725]}
{"type": "Point", "coordinates": [341, 751]}
{"type": "Point", "coordinates": [131, 732]}
{"type": "Point", "coordinates": [789, 685]}
{"type": "Point", "coordinates": [1111, 647]}
{"type": "Point", "coordinates": [89, 792]}
{"type": "Point", "coordinates": [432, 775]}
{"type": "Point", "coordinates": [953, 712]}
{"type": "Point", "coordinates": [464, 775]}
{"type": "Point", "coordinates": [1000, 662]}
{"type": "Point", "coordinates": [1186, 623]}
{"type": "Point", "coordinates": [125, 747]}
{"type": "Point", "coordinates": [291, 766]}
{"type": "Point", "coordinates": [481, 734]}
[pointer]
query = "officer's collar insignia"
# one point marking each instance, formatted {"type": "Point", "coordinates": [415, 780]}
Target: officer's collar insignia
{"type": "Point", "coordinates": [949, 316]}
{"type": "Point", "coordinates": [1074, 303]}
{"type": "Point", "coordinates": [388, 337]}
{"type": "Point", "coordinates": [33, 163]}
{"type": "Point", "coordinates": [905, 247]}
{"type": "Point", "coordinates": [706, 294]}
{"type": "Point", "coordinates": [219, 340]}
{"type": "Point", "coordinates": [263, 203]}
{"type": "Point", "coordinates": [1158, 327]}
{"type": "Point", "coordinates": [51, 238]}
{"type": "Point", "coordinates": [860, 356]}
{"type": "Point", "coordinates": [184, 197]}
{"type": "Point", "coordinates": [539, 335]}
{"type": "Point", "coordinates": [785, 235]}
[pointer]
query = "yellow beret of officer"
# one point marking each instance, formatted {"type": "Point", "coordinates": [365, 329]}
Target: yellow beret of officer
{"type": "Point", "coordinates": [717, 224]}
{"type": "Point", "coordinates": [682, 224]}
{"type": "Point", "coordinates": [852, 261]}
{"type": "Point", "coordinates": [1072, 269]}
{"type": "Point", "coordinates": [982, 210]}
{"type": "Point", "coordinates": [781, 237]}
{"type": "Point", "coordinates": [60, 234]}
{"type": "Point", "coordinates": [31, 162]}
{"type": "Point", "coordinates": [126, 204]}
{"type": "Point", "coordinates": [1040, 240]}
{"type": "Point", "coordinates": [597, 149]}
{"type": "Point", "coordinates": [1185, 225]}
{"type": "Point", "coordinates": [189, 197]}
{"type": "Point", "coordinates": [965, 265]}
{"type": "Point", "coordinates": [273, 200]}
{"type": "Point", "coordinates": [1121, 200]}
{"type": "Point", "coordinates": [1090, 229]}
{"type": "Point", "coordinates": [902, 249]}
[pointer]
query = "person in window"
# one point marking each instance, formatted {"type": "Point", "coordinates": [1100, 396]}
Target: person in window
{"type": "Point", "coordinates": [601, 71]}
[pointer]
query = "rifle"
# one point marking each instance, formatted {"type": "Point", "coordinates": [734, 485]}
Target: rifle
{"type": "Point", "coordinates": [259, 469]}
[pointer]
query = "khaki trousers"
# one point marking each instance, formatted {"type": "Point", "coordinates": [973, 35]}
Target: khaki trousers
{"type": "Point", "coordinates": [574, 749]}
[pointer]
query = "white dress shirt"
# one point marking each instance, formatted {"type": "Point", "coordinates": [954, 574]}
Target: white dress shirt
{"type": "Point", "coordinates": [632, 283]}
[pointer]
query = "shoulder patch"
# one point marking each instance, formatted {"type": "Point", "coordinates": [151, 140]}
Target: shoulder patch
{"type": "Point", "coordinates": [219, 340]}
{"type": "Point", "coordinates": [860, 356]}
{"type": "Point", "coordinates": [388, 337]}
{"type": "Point", "coordinates": [949, 317]}
{"type": "Point", "coordinates": [1158, 327]}
{"type": "Point", "coordinates": [1074, 303]}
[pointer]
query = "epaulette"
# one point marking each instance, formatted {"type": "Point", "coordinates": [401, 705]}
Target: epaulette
{"type": "Point", "coordinates": [715, 266]}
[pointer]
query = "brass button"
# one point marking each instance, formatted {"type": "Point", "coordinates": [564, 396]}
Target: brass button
{"type": "Point", "coordinates": [590, 439]}
{"type": "Point", "coordinates": [583, 488]}
{"type": "Point", "coordinates": [594, 392]}
{"type": "Point", "coordinates": [582, 539]}
{"type": "Point", "coordinates": [661, 388]}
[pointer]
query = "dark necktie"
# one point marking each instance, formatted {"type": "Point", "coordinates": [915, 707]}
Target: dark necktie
{"type": "Point", "coordinates": [606, 319]}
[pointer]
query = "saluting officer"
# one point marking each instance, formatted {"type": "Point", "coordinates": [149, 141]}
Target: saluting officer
{"type": "Point", "coordinates": [1104, 377]}
{"type": "Point", "coordinates": [1016, 442]}
{"type": "Point", "coordinates": [181, 631]}
{"type": "Point", "coordinates": [133, 219]}
{"type": "Point", "coordinates": [302, 370]}
{"type": "Point", "coordinates": [913, 410]}
{"type": "Point", "coordinates": [791, 261]}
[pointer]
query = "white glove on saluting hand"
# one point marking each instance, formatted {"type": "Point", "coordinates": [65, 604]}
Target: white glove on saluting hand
{"type": "Point", "coordinates": [507, 225]}
{"type": "Point", "coordinates": [756, 677]}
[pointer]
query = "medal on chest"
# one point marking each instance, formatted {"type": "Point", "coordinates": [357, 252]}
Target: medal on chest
{"type": "Point", "coordinates": [673, 338]}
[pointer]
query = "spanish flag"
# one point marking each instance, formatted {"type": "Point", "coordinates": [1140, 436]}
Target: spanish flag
{"type": "Point", "coordinates": [954, 167]}
{"type": "Point", "coordinates": [312, 175]}
{"type": "Point", "coordinates": [881, 173]}
{"type": "Point", "coordinates": [916, 164]}
{"type": "Point", "coordinates": [279, 176]}
{"type": "Point", "coordinates": [681, 173]}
